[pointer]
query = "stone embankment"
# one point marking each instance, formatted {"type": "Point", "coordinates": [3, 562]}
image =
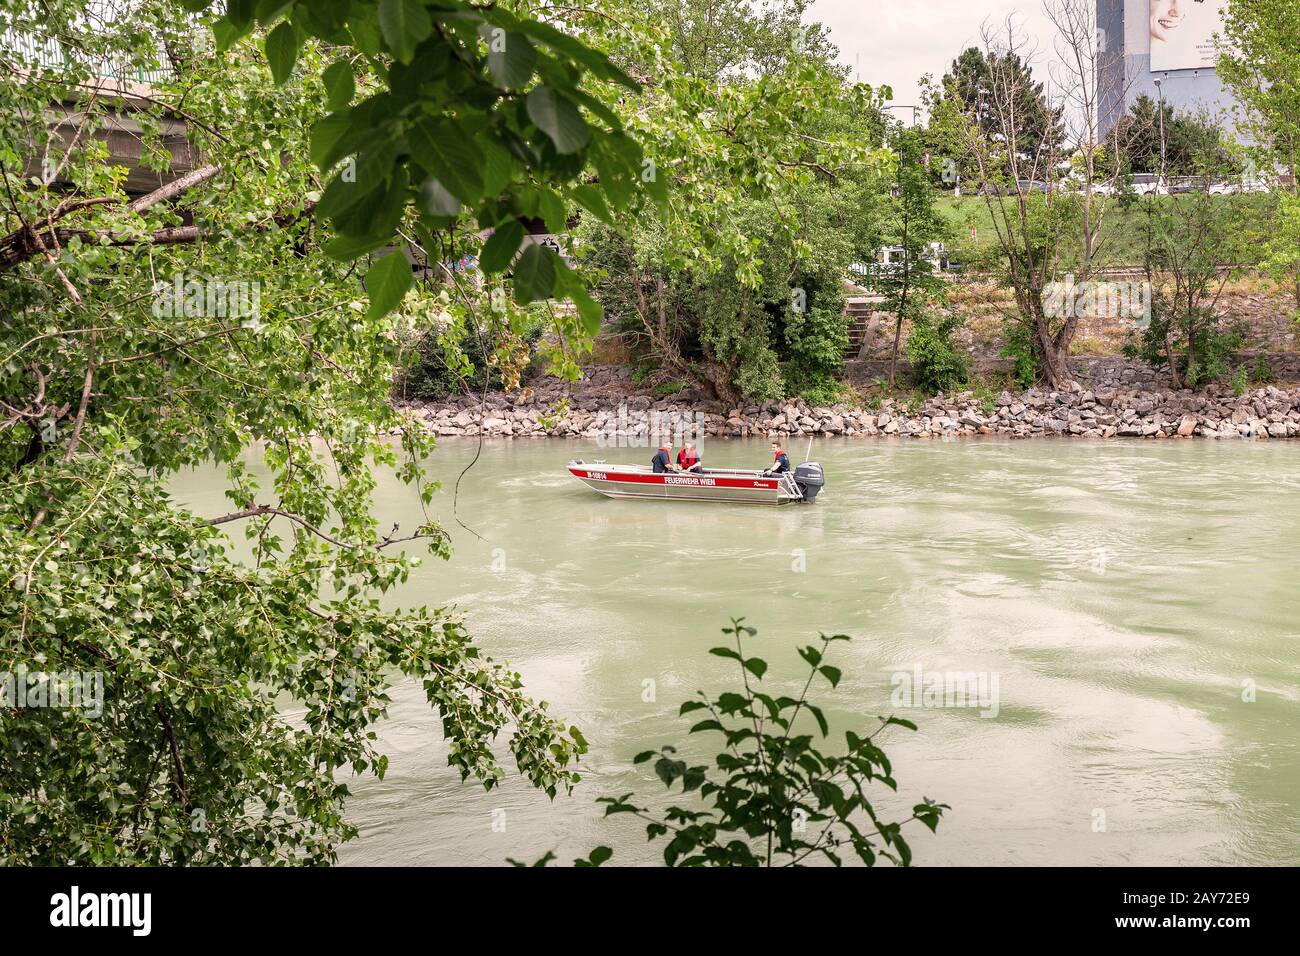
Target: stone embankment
{"type": "Point", "coordinates": [1106, 409]}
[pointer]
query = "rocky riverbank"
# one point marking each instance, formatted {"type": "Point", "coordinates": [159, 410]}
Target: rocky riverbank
{"type": "Point", "coordinates": [603, 409]}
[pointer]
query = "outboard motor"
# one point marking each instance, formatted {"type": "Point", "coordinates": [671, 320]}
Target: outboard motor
{"type": "Point", "coordinates": [810, 480]}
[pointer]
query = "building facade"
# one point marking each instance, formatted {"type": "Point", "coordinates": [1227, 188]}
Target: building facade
{"type": "Point", "coordinates": [1163, 49]}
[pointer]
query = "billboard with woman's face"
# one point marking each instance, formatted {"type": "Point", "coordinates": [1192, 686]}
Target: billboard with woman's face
{"type": "Point", "coordinates": [1182, 33]}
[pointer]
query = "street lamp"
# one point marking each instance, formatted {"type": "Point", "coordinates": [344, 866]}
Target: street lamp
{"type": "Point", "coordinates": [1160, 93]}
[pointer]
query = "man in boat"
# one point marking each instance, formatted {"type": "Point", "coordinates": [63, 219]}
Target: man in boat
{"type": "Point", "coordinates": [663, 459]}
{"type": "Point", "coordinates": [781, 461]}
{"type": "Point", "coordinates": [688, 459]}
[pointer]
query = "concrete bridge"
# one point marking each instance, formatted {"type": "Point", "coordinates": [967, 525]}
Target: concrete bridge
{"type": "Point", "coordinates": [128, 92]}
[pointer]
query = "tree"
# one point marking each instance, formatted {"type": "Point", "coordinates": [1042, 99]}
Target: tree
{"type": "Point", "coordinates": [1260, 63]}
{"type": "Point", "coordinates": [1194, 243]}
{"type": "Point", "coordinates": [151, 331]}
{"type": "Point", "coordinates": [736, 285]}
{"type": "Point", "coordinates": [775, 798]}
{"type": "Point", "coordinates": [1084, 64]}
{"type": "Point", "coordinates": [1030, 215]}
{"type": "Point", "coordinates": [910, 288]}
{"type": "Point", "coordinates": [970, 84]}
{"type": "Point", "coordinates": [1193, 143]}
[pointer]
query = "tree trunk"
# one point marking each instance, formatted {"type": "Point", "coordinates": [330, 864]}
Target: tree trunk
{"type": "Point", "coordinates": [1054, 350]}
{"type": "Point", "coordinates": [1174, 374]}
{"type": "Point", "coordinates": [893, 355]}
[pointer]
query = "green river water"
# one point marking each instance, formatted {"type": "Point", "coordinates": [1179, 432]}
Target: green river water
{"type": "Point", "coordinates": [1128, 598]}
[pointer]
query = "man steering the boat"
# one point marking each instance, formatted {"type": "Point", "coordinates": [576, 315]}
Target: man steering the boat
{"type": "Point", "coordinates": [781, 461]}
{"type": "Point", "coordinates": [663, 460]}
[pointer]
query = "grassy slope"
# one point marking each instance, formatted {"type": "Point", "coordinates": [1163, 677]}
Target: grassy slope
{"type": "Point", "coordinates": [1121, 236]}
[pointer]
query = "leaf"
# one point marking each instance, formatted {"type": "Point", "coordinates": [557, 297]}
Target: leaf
{"type": "Point", "coordinates": [539, 863]}
{"type": "Point", "coordinates": [551, 209]}
{"type": "Point", "coordinates": [578, 739]}
{"type": "Point", "coordinates": [589, 310]}
{"type": "Point", "coordinates": [725, 652]}
{"type": "Point", "coordinates": [238, 12]}
{"type": "Point", "coordinates": [501, 247]}
{"type": "Point", "coordinates": [343, 194]}
{"type": "Point", "coordinates": [327, 132]}
{"type": "Point", "coordinates": [594, 200]}
{"type": "Point", "coordinates": [510, 56]}
{"type": "Point", "coordinates": [707, 725]}
{"type": "Point", "coordinates": [227, 33]}
{"type": "Point", "coordinates": [386, 283]}
{"type": "Point", "coordinates": [347, 248]}
{"type": "Point", "coordinates": [732, 703]}
{"type": "Point", "coordinates": [451, 156]}
{"type": "Point", "coordinates": [404, 23]}
{"type": "Point", "coordinates": [832, 674]}
{"type": "Point", "coordinates": [436, 200]}
{"type": "Point", "coordinates": [596, 857]}
{"type": "Point", "coordinates": [589, 57]}
{"type": "Point", "coordinates": [690, 705]}
{"type": "Point", "coordinates": [819, 716]}
{"type": "Point", "coordinates": [498, 168]}
{"type": "Point", "coordinates": [534, 274]}
{"type": "Point", "coordinates": [281, 48]}
{"type": "Point", "coordinates": [268, 11]}
{"type": "Point", "coordinates": [558, 118]}
{"type": "Point", "coordinates": [756, 666]}
{"type": "Point", "coordinates": [340, 85]}
{"type": "Point", "coordinates": [929, 814]}
{"type": "Point", "coordinates": [669, 770]}
{"type": "Point", "coordinates": [643, 756]}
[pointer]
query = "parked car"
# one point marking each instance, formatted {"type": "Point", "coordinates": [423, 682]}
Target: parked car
{"type": "Point", "coordinates": [1232, 187]}
{"type": "Point", "coordinates": [1188, 184]}
{"type": "Point", "coordinates": [1074, 184]}
{"type": "Point", "coordinates": [1148, 184]}
{"type": "Point", "coordinates": [1032, 186]}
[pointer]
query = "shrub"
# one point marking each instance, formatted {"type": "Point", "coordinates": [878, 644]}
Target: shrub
{"type": "Point", "coordinates": [1262, 372]}
{"type": "Point", "coordinates": [1019, 347]}
{"type": "Point", "coordinates": [772, 798]}
{"type": "Point", "coordinates": [938, 364]}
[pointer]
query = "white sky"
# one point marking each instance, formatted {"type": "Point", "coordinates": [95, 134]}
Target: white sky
{"type": "Point", "coordinates": [896, 42]}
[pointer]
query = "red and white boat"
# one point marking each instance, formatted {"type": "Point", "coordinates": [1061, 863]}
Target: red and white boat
{"type": "Point", "coordinates": [708, 484]}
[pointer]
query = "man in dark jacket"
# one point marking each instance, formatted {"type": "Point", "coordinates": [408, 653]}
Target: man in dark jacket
{"type": "Point", "coordinates": [663, 459]}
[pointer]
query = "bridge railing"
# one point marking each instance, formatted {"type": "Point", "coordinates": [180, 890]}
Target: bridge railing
{"type": "Point", "coordinates": [47, 54]}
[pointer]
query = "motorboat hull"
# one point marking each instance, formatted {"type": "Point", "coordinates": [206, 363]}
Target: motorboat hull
{"type": "Point", "coordinates": [713, 484]}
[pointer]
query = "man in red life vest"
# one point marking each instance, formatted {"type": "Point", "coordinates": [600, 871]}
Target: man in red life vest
{"type": "Point", "coordinates": [688, 459]}
{"type": "Point", "coordinates": [663, 459]}
{"type": "Point", "coordinates": [781, 462]}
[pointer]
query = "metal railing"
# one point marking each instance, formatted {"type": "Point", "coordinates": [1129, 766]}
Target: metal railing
{"type": "Point", "coordinates": [48, 54]}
